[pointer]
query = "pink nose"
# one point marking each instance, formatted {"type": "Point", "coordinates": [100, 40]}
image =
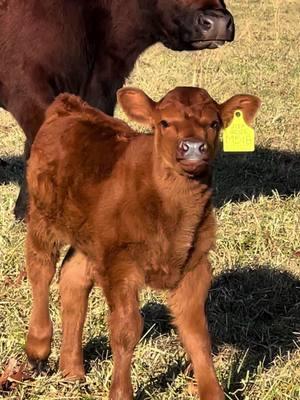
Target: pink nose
{"type": "Point", "coordinates": [191, 149]}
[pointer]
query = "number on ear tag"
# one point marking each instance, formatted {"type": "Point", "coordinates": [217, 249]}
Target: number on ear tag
{"type": "Point", "coordinates": [238, 136]}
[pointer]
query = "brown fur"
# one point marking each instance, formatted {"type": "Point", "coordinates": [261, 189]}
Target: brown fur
{"type": "Point", "coordinates": [134, 215]}
{"type": "Point", "coordinates": [85, 47]}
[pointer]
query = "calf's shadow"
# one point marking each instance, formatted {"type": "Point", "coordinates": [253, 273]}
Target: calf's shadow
{"type": "Point", "coordinates": [256, 310]}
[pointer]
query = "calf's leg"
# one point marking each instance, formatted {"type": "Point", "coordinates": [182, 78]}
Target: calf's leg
{"type": "Point", "coordinates": [41, 257]}
{"type": "Point", "coordinates": [126, 325]}
{"type": "Point", "coordinates": [76, 282]}
{"type": "Point", "coordinates": [187, 304]}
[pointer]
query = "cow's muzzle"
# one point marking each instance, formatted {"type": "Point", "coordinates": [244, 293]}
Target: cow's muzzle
{"type": "Point", "coordinates": [211, 29]}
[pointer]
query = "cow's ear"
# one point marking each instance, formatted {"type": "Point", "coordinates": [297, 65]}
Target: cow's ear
{"type": "Point", "coordinates": [137, 105]}
{"type": "Point", "coordinates": [245, 102]}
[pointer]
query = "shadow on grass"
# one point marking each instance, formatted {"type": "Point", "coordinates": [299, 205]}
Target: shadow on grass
{"type": "Point", "coordinates": [97, 348]}
{"type": "Point", "coordinates": [157, 322]}
{"type": "Point", "coordinates": [162, 381]}
{"type": "Point", "coordinates": [255, 310]}
{"type": "Point", "coordinates": [241, 176]}
{"type": "Point", "coordinates": [237, 176]}
{"type": "Point", "coordinates": [11, 170]}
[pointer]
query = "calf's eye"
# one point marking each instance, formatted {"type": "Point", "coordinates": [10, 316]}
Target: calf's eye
{"type": "Point", "coordinates": [164, 123]}
{"type": "Point", "coordinates": [215, 125]}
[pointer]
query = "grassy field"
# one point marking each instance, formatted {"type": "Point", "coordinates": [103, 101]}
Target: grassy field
{"type": "Point", "coordinates": [254, 304]}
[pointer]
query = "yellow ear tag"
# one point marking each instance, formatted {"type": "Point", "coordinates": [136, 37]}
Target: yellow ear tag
{"type": "Point", "coordinates": [238, 136]}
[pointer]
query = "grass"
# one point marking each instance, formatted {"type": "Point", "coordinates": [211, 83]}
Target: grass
{"type": "Point", "coordinates": [254, 304]}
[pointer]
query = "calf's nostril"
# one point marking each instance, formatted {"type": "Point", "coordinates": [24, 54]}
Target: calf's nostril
{"type": "Point", "coordinates": [202, 148]}
{"type": "Point", "coordinates": [184, 146]}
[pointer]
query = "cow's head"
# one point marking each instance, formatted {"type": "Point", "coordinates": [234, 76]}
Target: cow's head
{"type": "Point", "coordinates": [191, 24]}
{"type": "Point", "coordinates": [187, 123]}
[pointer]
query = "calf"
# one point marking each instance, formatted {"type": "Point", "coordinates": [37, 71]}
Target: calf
{"type": "Point", "coordinates": [137, 211]}
{"type": "Point", "coordinates": [88, 47]}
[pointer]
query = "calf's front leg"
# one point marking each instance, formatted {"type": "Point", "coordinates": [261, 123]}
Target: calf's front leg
{"type": "Point", "coordinates": [187, 304]}
{"type": "Point", "coordinates": [126, 325]}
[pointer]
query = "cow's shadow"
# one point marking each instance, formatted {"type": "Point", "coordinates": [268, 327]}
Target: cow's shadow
{"type": "Point", "coordinates": [11, 169]}
{"type": "Point", "coordinates": [256, 310]}
{"type": "Point", "coordinates": [237, 177]}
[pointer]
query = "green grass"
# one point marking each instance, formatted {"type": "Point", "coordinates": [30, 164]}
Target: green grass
{"type": "Point", "coordinates": [254, 304]}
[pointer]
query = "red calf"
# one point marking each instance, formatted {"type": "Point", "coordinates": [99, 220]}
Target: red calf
{"type": "Point", "coordinates": [137, 211]}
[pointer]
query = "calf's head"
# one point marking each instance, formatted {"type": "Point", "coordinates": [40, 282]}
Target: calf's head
{"type": "Point", "coordinates": [186, 124]}
{"type": "Point", "coordinates": [191, 24]}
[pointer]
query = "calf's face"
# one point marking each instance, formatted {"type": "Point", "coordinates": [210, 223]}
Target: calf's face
{"type": "Point", "coordinates": [187, 123]}
{"type": "Point", "coordinates": [193, 24]}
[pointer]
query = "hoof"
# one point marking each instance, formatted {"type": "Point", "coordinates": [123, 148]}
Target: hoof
{"type": "Point", "coordinates": [37, 366]}
{"type": "Point", "coordinates": [38, 348]}
{"type": "Point", "coordinates": [74, 378]}
{"type": "Point", "coordinates": [72, 370]}
{"type": "Point", "coordinates": [73, 375]}
{"type": "Point", "coordinates": [20, 213]}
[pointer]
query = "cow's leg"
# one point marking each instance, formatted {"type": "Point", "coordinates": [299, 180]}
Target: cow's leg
{"type": "Point", "coordinates": [41, 257]}
{"type": "Point", "coordinates": [76, 281]}
{"type": "Point", "coordinates": [21, 202]}
{"type": "Point", "coordinates": [125, 324]}
{"type": "Point", "coordinates": [29, 113]}
{"type": "Point", "coordinates": [187, 304]}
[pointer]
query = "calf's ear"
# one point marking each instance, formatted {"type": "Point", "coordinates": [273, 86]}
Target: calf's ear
{"type": "Point", "coordinates": [136, 104]}
{"type": "Point", "coordinates": [247, 103]}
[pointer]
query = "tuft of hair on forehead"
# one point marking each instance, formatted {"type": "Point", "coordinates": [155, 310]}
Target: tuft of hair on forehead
{"type": "Point", "coordinates": [187, 96]}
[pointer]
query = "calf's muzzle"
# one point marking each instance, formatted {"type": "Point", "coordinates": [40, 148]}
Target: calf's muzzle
{"type": "Point", "coordinates": [192, 149]}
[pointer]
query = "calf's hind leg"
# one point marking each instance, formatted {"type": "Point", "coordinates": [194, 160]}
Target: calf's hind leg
{"type": "Point", "coordinates": [41, 258]}
{"type": "Point", "coordinates": [187, 303]}
{"type": "Point", "coordinates": [76, 282]}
